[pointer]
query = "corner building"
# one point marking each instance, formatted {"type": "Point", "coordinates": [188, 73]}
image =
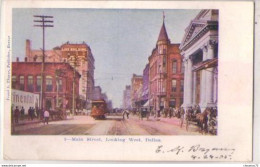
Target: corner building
{"type": "Point", "coordinates": [26, 76]}
{"type": "Point", "coordinates": [199, 49]}
{"type": "Point", "coordinates": [78, 56]}
{"type": "Point", "coordinates": [165, 74]}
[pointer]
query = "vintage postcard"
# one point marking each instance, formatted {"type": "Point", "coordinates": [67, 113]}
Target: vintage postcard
{"type": "Point", "coordinates": [128, 81]}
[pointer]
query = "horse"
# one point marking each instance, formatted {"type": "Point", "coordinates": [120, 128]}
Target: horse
{"type": "Point", "coordinates": [202, 119]}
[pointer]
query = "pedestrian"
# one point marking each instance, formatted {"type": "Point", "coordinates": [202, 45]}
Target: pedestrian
{"type": "Point", "coordinates": [170, 112]}
{"type": "Point", "coordinates": [29, 113]}
{"type": "Point", "coordinates": [127, 114]}
{"type": "Point", "coordinates": [188, 117]}
{"type": "Point", "coordinates": [46, 116]}
{"type": "Point", "coordinates": [182, 116]}
{"type": "Point", "coordinates": [124, 112]}
{"type": "Point", "coordinates": [147, 114]}
{"type": "Point", "coordinates": [16, 115]}
{"type": "Point", "coordinates": [159, 113]}
{"type": "Point", "coordinates": [37, 112]}
{"type": "Point", "coordinates": [22, 113]}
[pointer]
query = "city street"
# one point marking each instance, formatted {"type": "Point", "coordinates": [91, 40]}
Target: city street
{"type": "Point", "coordinates": [112, 125]}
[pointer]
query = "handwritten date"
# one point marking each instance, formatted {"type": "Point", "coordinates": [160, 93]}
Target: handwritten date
{"type": "Point", "coordinates": [197, 152]}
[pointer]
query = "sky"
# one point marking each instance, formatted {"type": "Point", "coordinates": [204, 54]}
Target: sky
{"type": "Point", "coordinates": [121, 40]}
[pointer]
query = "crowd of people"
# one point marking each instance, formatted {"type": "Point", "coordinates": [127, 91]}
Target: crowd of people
{"type": "Point", "coordinates": [206, 119]}
{"type": "Point", "coordinates": [19, 114]}
{"type": "Point", "coordinates": [32, 114]}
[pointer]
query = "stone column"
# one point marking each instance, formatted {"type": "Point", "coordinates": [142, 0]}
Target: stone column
{"type": "Point", "coordinates": [209, 76]}
{"type": "Point", "coordinates": [203, 83]}
{"type": "Point", "coordinates": [185, 93]}
{"type": "Point", "coordinates": [189, 83]}
{"type": "Point", "coordinates": [215, 96]}
{"type": "Point", "coordinates": [194, 88]}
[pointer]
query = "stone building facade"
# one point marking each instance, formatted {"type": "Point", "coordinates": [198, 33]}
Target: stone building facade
{"type": "Point", "coordinates": [165, 73]}
{"type": "Point", "coordinates": [78, 56]}
{"type": "Point", "coordinates": [127, 97]}
{"type": "Point", "coordinates": [199, 49]}
{"type": "Point", "coordinates": [136, 89]}
{"type": "Point", "coordinates": [58, 89]}
{"type": "Point", "coordinates": [145, 93]}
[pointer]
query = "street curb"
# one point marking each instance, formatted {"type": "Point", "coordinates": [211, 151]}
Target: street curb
{"type": "Point", "coordinates": [35, 122]}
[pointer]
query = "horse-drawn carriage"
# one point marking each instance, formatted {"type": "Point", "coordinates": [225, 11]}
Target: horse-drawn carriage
{"type": "Point", "coordinates": [144, 113]}
{"type": "Point", "coordinates": [57, 114]}
{"type": "Point", "coordinates": [206, 120]}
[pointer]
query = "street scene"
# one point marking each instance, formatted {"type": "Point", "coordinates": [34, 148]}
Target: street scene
{"type": "Point", "coordinates": [114, 72]}
{"type": "Point", "coordinates": [113, 125]}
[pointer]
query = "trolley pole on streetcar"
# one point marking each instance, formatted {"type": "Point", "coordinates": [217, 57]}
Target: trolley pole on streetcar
{"type": "Point", "coordinates": [43, 22]}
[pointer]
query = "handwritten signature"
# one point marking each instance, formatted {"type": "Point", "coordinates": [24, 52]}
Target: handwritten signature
{"type": "Point", "coordinates": [198, 152]}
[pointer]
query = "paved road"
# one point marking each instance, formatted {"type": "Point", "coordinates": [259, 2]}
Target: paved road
{"type": "Point", "coordinates": [113, 125]}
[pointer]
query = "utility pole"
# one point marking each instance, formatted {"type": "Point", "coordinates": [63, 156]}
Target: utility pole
{"type": "Point", "coordinates": [74, 64]}
{"type": "Point", "coordinates": [44, 22]}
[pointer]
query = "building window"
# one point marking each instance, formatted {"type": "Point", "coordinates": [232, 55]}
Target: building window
{"type": "Point", "coordinates": [164, 61]}
{"type": "Point", "coordinates": [14, 82]}
{"type": "Point", "coordinates": [174, 83]}
{"type": "Point", "coordinates": [60, 85]}
{"type": "Point", "coordinates": [21, 82]}
{"type": "Point", "coordinates": [174, 66]}
{"type": "Point", "coordinates": [30, 83]}
{"type": "Point", "coordinates": [48, 83]}
{"type": "Point", "coordinates": [172, 103]}
{"type": "Point", "coordinates": [164, 50]}
{"type": "Point", "coordinates": [38, 83]}
{"type": "Point", "coordinates": [182, 85]}
{"type": "Point", "coordinates": [182, 67]}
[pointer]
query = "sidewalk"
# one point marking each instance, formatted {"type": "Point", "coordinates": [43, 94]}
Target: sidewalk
{"type": "Point", "coordinates": [25, 121]}
{"type": "Point", "coordinates": [28, 124]}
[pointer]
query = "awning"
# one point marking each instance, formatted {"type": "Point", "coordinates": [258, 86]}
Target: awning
{"type": "Point", "coordinates": [206, 64]}
{"type": "Point", "coordinates": [140, 102]}
{"type": "Point", "coordinates": [146, 104]}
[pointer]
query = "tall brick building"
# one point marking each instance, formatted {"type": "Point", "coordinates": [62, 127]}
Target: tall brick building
{"type": "Point", "coordinates": [26, 76]}
{"type": "Point", "coordinates": [165, 73]}
{"type": "Point", "coordinates": [136, 87]}
{"type": "Point", "coordinates": [78, 56]}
